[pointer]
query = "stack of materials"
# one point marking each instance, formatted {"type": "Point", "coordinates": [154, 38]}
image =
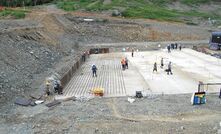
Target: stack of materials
{"type": "Point", "coordinates": [98, 91]}
{"type": "Point", "coordinates": [198, 98]}
{"type": "Point", "coordinates": [139, 94]}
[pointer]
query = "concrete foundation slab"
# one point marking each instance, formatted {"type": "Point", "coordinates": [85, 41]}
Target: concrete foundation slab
{"type": "Point", "coordinates": [188, 67]}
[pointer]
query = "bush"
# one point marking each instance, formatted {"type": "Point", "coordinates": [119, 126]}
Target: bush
{"type": "Point", "coordinates": [19, 3]}
{"type": "Point", "coordinates": [17, 14]}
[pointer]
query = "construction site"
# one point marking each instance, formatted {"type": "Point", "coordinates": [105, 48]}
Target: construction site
{"type": "Point", "coordinates": [162, 89]}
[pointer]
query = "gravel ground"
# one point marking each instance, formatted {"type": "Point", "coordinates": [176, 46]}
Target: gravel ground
{"type": "Point", "coordinates": [21, 63]}
{"type": "Point", "coordinates": [17, 24]}
{"type": "Point", "coordinates": [152, 114]}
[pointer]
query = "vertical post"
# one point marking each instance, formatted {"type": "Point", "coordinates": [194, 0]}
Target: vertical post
{"type": "Point", "coordinates": [220, 93]}
{"type": "Point", "coordinates": [199, 87]}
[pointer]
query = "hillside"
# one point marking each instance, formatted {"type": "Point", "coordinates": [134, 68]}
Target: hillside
{"type": "Point", "coordinates": [187, 11]}
{"type": "Point", "coordinates": [192, 12]}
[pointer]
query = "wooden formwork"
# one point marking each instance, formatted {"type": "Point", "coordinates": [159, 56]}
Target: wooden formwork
{"type": "Point", "coordinates": [69, 74]}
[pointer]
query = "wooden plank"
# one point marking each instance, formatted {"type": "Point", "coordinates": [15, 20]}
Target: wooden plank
{"type": "Point", "coordinates": [53, 103]}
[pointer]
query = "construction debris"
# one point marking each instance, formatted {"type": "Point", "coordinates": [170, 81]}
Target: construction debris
{"type": "Point", "coordinates": [139, 94]}
{"type": "Point", "coordinates": [198, 98]}
{"type": "Point", "coordinates": [23, 101]}
{"type": "Point", "coordinates": [131, 100]}
{"type": "Point", "coordinates": [36, 96]}
{"type": "Point", "coordinates": [89, 20]}
{"type": "Point", "coordinates": [39, 102]}
{"type": "Point", "coordinates": [53, 103]}
{"type": "Point", "coordinates": [33, 103]}
{"type": "Point", "coordinates": [65, 98]}
{"type": "Point", "coordinates": [98, 91]}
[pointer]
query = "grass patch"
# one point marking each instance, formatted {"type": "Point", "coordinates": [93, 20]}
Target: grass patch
{"type": "Point", "coordinates": [67, 6]}
{"type": "Point", "coordinates": [161, 13]}
{"type": "Point", "coordinates": [151, 12]}
{"type": "Point", "coordinates": [15, 13]}
{"type": "Point", "coordinates": [151, 9]}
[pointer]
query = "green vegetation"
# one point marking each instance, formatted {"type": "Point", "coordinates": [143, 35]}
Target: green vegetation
{"type": "Point", "coordinates": [159, 13]}
{"type": "Point", "coordinates": [17, 14]}
{"type": "Point", "coordinates": [19, 3]}
{"type": "Point", "coordinates": [89, 5]}
{"type": "Point", "coordinates": [151, 9]}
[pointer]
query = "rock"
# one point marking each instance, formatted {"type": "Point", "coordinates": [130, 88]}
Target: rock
{"type": "Point", "coordinates": [116, 13]}
{"type": "Point", "coordinates": [214, 128]}
{"type": "Point", "coordinates": [182, 128]}
{"type": "Point", "coordinates": [2, 92]}
{"type": "Point", "coordinates": [96, 130]}
{"type": "Point", "coordinates": [6, 81]}
{"type": "Point", "coordinates": [33, 103]}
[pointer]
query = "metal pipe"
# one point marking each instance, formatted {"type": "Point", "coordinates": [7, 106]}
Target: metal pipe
{"type": "Point", "coordinates": [209, 83]}
{"type": "Point", "coordinates": [202, 84]}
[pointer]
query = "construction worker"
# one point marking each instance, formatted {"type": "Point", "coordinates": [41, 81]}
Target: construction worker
{"type": "Point", "coordinates": [48, 87]}
{"type": "Point", "coordinates": [94, 70]}
{"type": "Point", "coordinates": [169, 70]}
{"type": "Point", "coordinates": [60, 90]}
{"type": "Point", "coordinates": [161, 63]}
{"type": "Point", "coordinates": [172, 46]}
{"type": "Point", "coordinates": [126, 63]}
{"type": "Point", "coordinates": [220, 93]}
{"type": "Point", "coordinates": [175, 45]}
{"type": "Point", "coordinates": [155, 67]}
{"type": "Point", "coordinates": [132, 53]}
{"type": "Point", "coordinates": [84, 57]}
{"type": "Point", "coordinates": [168, 48]}
{"type": "Point", "coordinates": [123, 63]}
{"type": "Point", "coordinates": [88, 53]}
{"type": "Point", "coordinates": [58, 87]}
{"type": "Point", "coordinates": [180, 47]}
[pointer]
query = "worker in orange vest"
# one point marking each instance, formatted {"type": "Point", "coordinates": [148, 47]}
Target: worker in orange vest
{"type": "Point", "coordinates": [123, 63]}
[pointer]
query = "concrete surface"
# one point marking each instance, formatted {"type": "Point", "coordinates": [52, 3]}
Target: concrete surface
{"type": "Point", "coordinates": [188, 67]}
